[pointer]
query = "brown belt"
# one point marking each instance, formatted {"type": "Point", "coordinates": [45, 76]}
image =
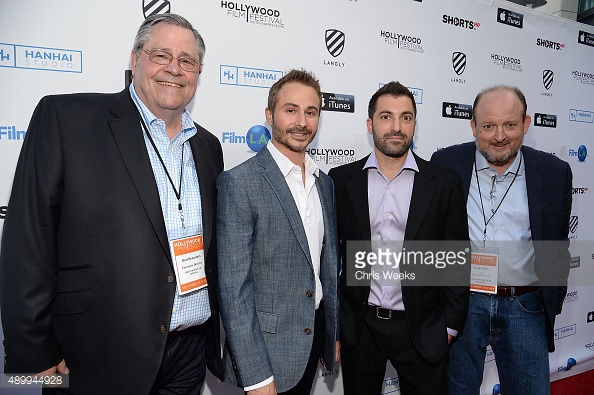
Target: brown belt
{"type": "Point", "coordinates": [516, 291]}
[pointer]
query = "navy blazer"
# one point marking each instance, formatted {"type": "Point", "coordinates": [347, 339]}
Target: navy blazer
{"type": "Point", "coordinates": [266, 279]}
{"type": "Point", "coordinates": [85, 271]}
{"type": "Point", "coordinates": [548, 184]}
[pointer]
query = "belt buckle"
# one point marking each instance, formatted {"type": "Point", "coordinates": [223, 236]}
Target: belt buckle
{"type": "Point", "coordinates": [377, 314]}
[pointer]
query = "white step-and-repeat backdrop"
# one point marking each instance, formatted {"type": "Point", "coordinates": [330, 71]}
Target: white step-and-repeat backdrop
{"type": "Point", "coordinates": [445, 51]}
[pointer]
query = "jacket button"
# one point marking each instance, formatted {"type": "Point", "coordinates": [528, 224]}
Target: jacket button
{"type": "Point", "coordinates": [170, 279]}
{"type": "Point", "coordinates": [307, 331]}
{"type": "Point", "coordinates": [309, 294]}
{"type": "Point", "coordinates": [162, 329]}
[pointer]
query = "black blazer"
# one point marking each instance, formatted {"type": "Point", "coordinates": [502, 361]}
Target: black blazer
{"type": "Point", "coordinates": [548, 184]}
{"type": "Point", "coordinates": [85, 270]}
{"type": "Point", "coordinates": [437, 212]}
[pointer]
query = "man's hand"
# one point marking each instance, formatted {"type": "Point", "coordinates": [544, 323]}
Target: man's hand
{"type": "Point", "coordinates": [268, 389]}
{"type": "Point", "coordinates": [337, 356]}
{"type": "Point", "coordinates": [59, 368]}
{"type": "Point", "coordinates": [450, 338]}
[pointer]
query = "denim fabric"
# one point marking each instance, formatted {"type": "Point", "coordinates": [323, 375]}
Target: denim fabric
{"type": "Point", "coordinates": [515, 328]}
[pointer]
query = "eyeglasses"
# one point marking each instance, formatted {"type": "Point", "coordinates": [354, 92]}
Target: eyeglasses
{"type": "Point", "coordinates": [162, 57]}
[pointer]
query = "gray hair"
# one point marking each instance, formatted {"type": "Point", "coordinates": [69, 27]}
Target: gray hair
{"type": "Point", "coordinates": [144, 32]}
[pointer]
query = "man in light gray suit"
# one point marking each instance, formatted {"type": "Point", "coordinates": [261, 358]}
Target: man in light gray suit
{"type": "Point", "coordinates": [278, 252]}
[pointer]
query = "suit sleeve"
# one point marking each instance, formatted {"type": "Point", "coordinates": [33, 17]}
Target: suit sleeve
{"type": "Point", "coordinates": [29, 261]}
{"type": "Point", "coordinates": [563, 254]}
{"type": "Point", "coordinates": [235, 237]}
{"type": "Point", "coordinates": [454, 296]}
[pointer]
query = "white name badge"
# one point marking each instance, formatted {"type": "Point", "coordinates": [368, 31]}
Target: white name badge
{"type": "Point", "coordinates": [483, 272]}
{"type": "Point", "coordinates": [188, 262]}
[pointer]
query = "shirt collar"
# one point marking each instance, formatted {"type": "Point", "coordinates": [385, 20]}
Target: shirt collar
{"type": "Point", "coordinates": [188, 127]}
{"type": "Point", "coordinates": [482, 164]}
{"type": "Point", "coordinates": [410, 163]}
{"type": "Point", "coordinates": [285, 165]}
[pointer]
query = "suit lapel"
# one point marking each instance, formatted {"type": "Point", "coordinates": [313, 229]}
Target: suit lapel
{"type": "Point", "coordinates": [534, 191]}
{"type": "Point", "coordinates": [129, 138]}
{"type": "Point", "coordinates": [422, 195]}
{"type": "Point", "coordinates": [357, 189]}
{"type": "Point", "coordinates": [205, 182]}
{"type": "Point", "coordinates": [276, 180]}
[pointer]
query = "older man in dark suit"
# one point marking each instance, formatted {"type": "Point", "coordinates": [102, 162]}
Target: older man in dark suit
{"type": "Point", "coordinates": [519, 203]}
{"type": "Point", "coordinates": [109, 191]}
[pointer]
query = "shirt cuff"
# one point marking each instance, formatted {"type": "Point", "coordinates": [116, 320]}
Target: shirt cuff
{"type": "Point", "coordinates": [452, 332]}
{"type": "Point", "coordinates": [260, 384]}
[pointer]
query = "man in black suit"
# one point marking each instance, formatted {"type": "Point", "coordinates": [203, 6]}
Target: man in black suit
{"type": "Point", "coordinates": [390, 196]}
{"type": "Point", "coordinates": [109, 191]}
{"type": "Point", "coordinates": [519, 204]}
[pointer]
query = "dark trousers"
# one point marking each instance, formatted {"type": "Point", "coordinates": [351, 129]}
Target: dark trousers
{"type": "Point", "coordinates": [364, 365]}
{"type": "Point", "coordinates": [183, 368]}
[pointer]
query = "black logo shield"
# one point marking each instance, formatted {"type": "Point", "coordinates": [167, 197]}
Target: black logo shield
{"type": "Point", "coordinates": [547, 79]}
{"type": "Point", "coordinates": [459, 62]}
{"type": "Point", "coordinates": [152, 7]}
{"type": "Point", "coordinates": [334, 42]}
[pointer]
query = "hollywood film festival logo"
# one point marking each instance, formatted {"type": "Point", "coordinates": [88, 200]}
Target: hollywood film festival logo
{"type": "Point", "coordinates": [402, 41]}
{"type": "Point", "coordinates": [253, 14]}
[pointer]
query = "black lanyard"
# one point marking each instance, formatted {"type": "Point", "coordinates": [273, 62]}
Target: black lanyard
{"type": "Point", "coordinates": [181, 173]}
{"type": "Point", "coordinates": [486, 221]}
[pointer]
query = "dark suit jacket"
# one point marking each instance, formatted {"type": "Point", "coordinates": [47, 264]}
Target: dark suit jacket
{"type": "Point", "coordinates": [85, 268]}
{"type": "Point", "coordinates": [266, 281]}
{"type": "Point", "coordinates": [548, 183]}
{"type": "Point", "coordinates": [437, 212]}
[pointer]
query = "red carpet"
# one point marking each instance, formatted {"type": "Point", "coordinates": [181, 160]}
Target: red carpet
{"type": "Point", "coordinates": [580, 384]}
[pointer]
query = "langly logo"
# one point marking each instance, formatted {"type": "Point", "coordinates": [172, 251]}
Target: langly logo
{"type": "Point", "coordinates": [153, 7]}
{"type": "Point", "coordinates": [459, 62]}
{"type": "Point", "coordinates": [335, 40]}
{"type": "Point", "coordinates": [547, 79]}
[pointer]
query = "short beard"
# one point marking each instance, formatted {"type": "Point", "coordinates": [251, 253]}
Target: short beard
{"type": "Point", "coordinates": [389, 150]}
{"type": "Point", "coordinates": [280, 136]}
{"type": "Point", "coordinates": [498, 161]}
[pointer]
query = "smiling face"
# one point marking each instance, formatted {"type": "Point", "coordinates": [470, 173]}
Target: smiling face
{"type": "Point", "coordinates": [166, 89]}
{"type": "Point", "coordinates": [499, 126]}
{"type": "Point", "coordinates": [392, 126]}
{"type": "Point", "coordinates": [295, 118]}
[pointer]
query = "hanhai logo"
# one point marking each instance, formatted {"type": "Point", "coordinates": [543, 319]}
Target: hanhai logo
{"type": "Point", "coordinates": [459, 62]}
{"type": "Point", "coordinates": [152, 7]}
{"type": "Point", "coordinates": [547, 79]}
{"type": "Point", "coordinates": [335, 41]}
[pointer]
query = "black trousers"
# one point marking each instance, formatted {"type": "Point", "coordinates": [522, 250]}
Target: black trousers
{"type": "Point", "coordinates": [183, 368]}
{"type": "Point", "coordinates": [364, 365]}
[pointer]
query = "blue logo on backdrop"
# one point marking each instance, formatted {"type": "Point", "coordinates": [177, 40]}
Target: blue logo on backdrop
{"type": "Point", "coordinates": [247, 76]}
{"type": "Point", "coordinates": [257, 137]}
{"type": "Point", "coordinates": [11, 133]}
{"type": "Point", "coordinates": [581, 153]}
{"type": "Point", "coordinates": [416, 92]}
{"type": "Point", "coordinates": [581, 116]}
{"type": "Point", "coordinates": [40, 58]}
{"type": "Point", "coordinates": [570, 364]}
{"type": "Point", "coordinates": [569, 330]}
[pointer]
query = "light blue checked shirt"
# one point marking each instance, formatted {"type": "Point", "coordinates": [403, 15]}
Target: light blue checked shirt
{"type": "Point", "coordinates": [193, 308]}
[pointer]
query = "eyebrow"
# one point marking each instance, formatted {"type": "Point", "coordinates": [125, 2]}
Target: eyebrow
{"type": "Point", "coordinates": [289, 104]}
{"type": "Point", "coordinates": [407, 112]}
{"type": "Point", "coordinates": [183, 54]}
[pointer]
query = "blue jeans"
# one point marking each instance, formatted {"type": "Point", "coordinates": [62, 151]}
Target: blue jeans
{"type": "Point", "coordinates": [515, 328]}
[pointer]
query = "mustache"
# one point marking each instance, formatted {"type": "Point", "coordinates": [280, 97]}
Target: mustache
{"type": "Point", "coordinates": [298, 129]}
{"type": "Point", "coordinates": [395, 134]}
